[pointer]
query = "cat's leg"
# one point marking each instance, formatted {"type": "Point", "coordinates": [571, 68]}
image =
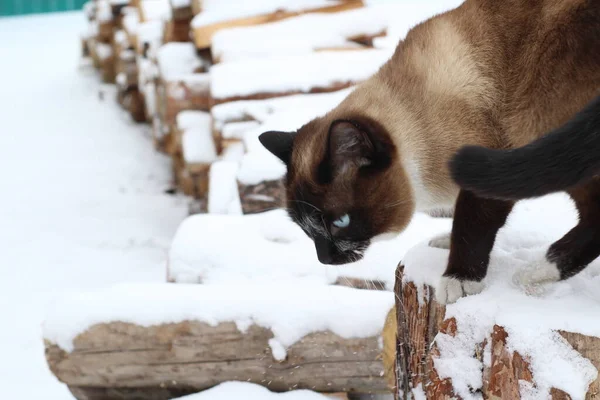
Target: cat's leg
{"type": "Point", "coordinates": [476, 222]}
{"type": "Point", "coordinates": [580, 246]}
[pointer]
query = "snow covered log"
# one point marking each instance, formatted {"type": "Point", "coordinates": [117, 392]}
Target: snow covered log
{"type": "Point", "coordinates": [209, 336]}
{"type": "Point", "coordinates": [193, 150]}
{"type": "Point", "coordinates": [511, 341]}
{"type": "Point", "coordinates": [305, 34]}
{"type": "Point", "coordinates": [208, 22]}
{"type": "Point", "coordinates": [506, 374]}
{"type": "Point", "coordinates": [181, 85]}
{"type": "Point", "coordinates": [276, 76]}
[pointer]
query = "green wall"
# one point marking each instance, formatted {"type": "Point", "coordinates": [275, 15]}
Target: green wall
{"type": "Point", "coordinates": [21, 7]}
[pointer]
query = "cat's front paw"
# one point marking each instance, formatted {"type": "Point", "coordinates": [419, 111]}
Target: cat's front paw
{"type": "Point", "coordinates": [449, 290]}
{"type": "Point", "coordinates": [441, 241]}
{"type": "Point", "coordinates": [543, 272]}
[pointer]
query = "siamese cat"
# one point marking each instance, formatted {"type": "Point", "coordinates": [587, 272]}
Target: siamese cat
{"type": "Point", "coordinates": [496, 74]}
{"type": "Point", "coordinates": [567, 159]}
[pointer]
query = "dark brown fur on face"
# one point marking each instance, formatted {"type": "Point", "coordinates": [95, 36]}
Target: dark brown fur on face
{"type": "Point", "coordinates": [492, 73]}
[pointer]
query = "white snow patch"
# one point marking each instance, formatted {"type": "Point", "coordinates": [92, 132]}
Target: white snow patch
{"type": "Point", "coordinates": [302, 34]}
{"type": "Point", "coordinates": [347, 312]}
{"type": "Point", "coordinates": [531, 315]}
{"type": "Point", "coordinates": [214, 11]}
{"type": "Point", "coordinates": [223, 196]}
{"type": "Point", "coordinates": [236, 130]}
{"type": "Point", "coordinates": [261, 110]}
{"type": "Point", "coordinates": [249, 391]}
{"type": "Point", "coordinates": [181, 3]}
{"type": "Point", "coordinates": [233, 152]}
{"type": "Point", "coordinates": [198, 146]}
{"type": "Point", "coordinates": [277, 350]}
{"type": "Point", "coordinates": [177, 59]}
{"type": "Point", "coordinates": [155, 9]}
{"type": "Point", "coordinates": [190, 119]}
{"type": "Point", "coordinates": [202, 250]}
{"type": "Point", "coordinates": [281, 74]}
{"type": "Point", "coordinates": [103, 217]}
{"type": "Point", "coordinates": [104, 51]}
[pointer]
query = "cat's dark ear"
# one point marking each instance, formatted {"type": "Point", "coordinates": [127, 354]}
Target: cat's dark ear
{"type": "Point", "coordinates": [349, 146]}
{"type": "Point", "coordinates": [279, 143]}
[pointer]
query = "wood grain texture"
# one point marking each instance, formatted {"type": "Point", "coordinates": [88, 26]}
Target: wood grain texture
{"type": "Point", "coordinates": [261, 197]}
{"type": "Point", "coordinates": [121, 361]}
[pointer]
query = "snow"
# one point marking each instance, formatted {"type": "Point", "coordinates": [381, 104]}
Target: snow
{"type": "Point", "coordinates": [236, 130]}
{"type": "Point", "coordinates": [103, 11]}
{"type": "Point", "coordinates": [198, 146]}
{"type": "Point", "coordinates": [531, 315]}
{"type": "Point", "coordinates": [155, 10]}
{"type": "Point", "coordinates": [302, 34]}
{"type": "Point", "coordinates": [103, 50]}
{"type": "Point", "coordinates": [260, 165]}
{"type": "Point", "coordinates": [260, 110]}
{"type": "Point", "coordinates": [197, 140]}
{"type": "Point", "coordinates": [282, 74]}
{"type": "Point", "coordinates": [190, 119]}
{"type": "Point", "coordinates": [151, 33]}
{"type": "Point", "coordinates": [202, 250]}
{"type": "Point", "coordinates": [250, 391]}
{"type": "Point", "coordinates": [131, 21]}
{"type": "Point", "coordinates": [181, 3]}
{"type": "Point", "coordinates": [214, 11]}
{"type": "Point", "coordinates": [177, 59]}
{"type": "Point", "coordinates": [349, 313]}
{"type": "Point", "coordinates": [223, 196]}
{"type": "Point", "coordinates": [82, 192]}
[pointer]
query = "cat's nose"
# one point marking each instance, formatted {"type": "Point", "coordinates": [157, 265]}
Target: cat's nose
{"type": "Point", "coordinates": [324, 253]}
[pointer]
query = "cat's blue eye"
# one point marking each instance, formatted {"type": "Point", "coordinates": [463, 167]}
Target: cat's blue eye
{"type": "Point", "coordinates": [342, 222]}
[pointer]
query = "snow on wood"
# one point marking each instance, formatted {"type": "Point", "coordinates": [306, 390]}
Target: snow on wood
{"type": "Point", "coordinates": [510, 341]}
{"type": "Point", "coordinates": [223, 196]}
{"type": "Point", "coordinates": [186, 338]}
{"type": "Point", "coordinates": [193, 149]}
{"type": "Point", "coordinates": [177, 59]}
{"type": "Point", "coordinates": [188, 92]}
{"type": "Point", "coordinates": [250, 391]}
{"type": "Point", "coordinates": [154, 10]}
{"type": "Point", "coordinates": [261, 173]}
{"type": "Point", "coordinates": [216, 248]}
{"type": "Point", "coordinates": [216, 16]}
{"type": "Point", "coordinates": [304, 34]}
{"type": "Point", "coordinates": [149, 36]}
{"type": "Point", "coordinates": [285, 75]}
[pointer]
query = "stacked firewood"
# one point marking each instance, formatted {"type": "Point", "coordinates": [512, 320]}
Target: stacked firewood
{"type": "Point", "coordinates": [209, 76]}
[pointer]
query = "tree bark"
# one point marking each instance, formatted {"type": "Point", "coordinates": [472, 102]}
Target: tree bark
{"type": "Point", "coordinates": [420, 318]}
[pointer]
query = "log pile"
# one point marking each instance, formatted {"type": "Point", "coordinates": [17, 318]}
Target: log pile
{"type": "Point", "coordinates": [170, 56]}
{"type": "Point", "coordinates": [176, 67]}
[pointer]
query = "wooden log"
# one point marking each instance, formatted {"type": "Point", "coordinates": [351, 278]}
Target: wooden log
{"type": "Point", "coordinates": [262, 196]}
{"type": "Point", "coordinates": [177, 30]}
{"type": "Point", "coordinates": [419, 319]}
{"type": "Point", "coordinates": [333, 87]}
{"type": "Point", "coordinates": [121, 361]}
{"type": "Point", "coordinates": [203, 34]}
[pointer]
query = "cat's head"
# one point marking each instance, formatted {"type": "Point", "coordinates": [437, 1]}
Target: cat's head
{"type": "Point", "coordinates": [344, 184]}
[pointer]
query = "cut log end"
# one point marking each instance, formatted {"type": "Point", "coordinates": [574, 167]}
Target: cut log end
{"type": "Point", "coordinates": [419, 319]}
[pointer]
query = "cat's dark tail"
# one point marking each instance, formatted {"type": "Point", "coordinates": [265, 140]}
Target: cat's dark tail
{"type": "Point", "coordinates": [564, 158]}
